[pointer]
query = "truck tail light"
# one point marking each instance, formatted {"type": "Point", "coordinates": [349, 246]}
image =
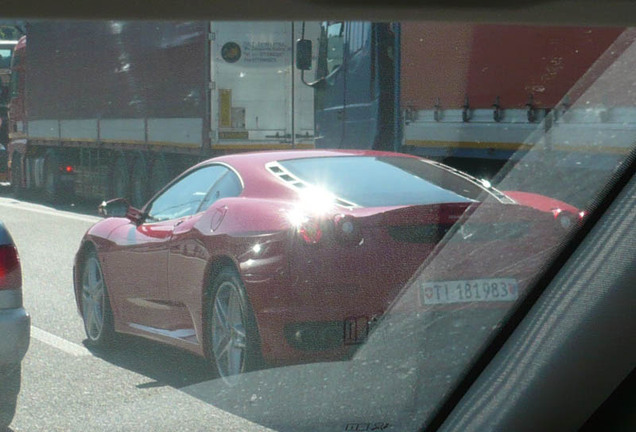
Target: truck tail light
{"type": "Point", "coordinates": [10, 272]}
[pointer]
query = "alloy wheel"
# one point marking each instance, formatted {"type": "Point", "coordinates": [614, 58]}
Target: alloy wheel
{"type": "Point", "coordinates": [93, 290]}
{"type": "Point", "coordinates": [229, 339]}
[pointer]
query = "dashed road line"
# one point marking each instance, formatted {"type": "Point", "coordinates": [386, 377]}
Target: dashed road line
{"type": "Point", "coordinates": [59, 343]}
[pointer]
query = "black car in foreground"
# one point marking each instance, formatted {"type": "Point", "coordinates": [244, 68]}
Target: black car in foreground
{"type": "Point", "coordinates": [14, 327]}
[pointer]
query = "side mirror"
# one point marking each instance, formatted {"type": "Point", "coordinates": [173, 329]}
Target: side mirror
{"type": "Point", "coordinates": [117, 207]}
{"type": "Point", "coordinates": [303, 54]}
{"type": "Point", "coordinates": [120, 207]}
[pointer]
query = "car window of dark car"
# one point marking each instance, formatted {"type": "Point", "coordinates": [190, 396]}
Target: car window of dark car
{"type": "Point", "coordinates": [184, 197]}
{"type": "Point", "coordinates": [229, 185]}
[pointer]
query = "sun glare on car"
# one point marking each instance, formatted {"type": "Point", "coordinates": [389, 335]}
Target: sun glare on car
{"type": "Point", "coordinates": [312, 202]}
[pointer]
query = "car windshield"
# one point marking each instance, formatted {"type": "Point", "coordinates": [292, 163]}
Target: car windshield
{"type": "Point", "coordinates": [464, 156]}
{"type": "Point", "coordinates": [395, 181]}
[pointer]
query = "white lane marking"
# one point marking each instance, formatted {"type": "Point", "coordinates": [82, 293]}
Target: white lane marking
{"type": "Point", "coordinates": [19, 205]}
{"type": "Point", "coordinates": [59, 343]}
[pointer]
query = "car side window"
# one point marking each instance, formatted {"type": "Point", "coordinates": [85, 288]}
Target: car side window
{"type": "Point", "coordinates": [184, 197]}
{"type": "Point", "coordinates": [229, 185]}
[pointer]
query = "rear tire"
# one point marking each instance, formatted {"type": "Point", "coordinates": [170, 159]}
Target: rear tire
{"type": "Point", "coordinates": [10, 379]}
{"type": "Point", "coordinates": [233, 342]}
{"type": "Point", "coordinates": [96, 308]}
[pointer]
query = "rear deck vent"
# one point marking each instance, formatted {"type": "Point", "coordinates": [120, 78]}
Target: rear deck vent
{"type": "Point", "coordinates": [296, 183]}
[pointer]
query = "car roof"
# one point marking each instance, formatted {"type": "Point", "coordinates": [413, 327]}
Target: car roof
{"type": "Point", "coordinates": [246, 160]}
{"type": "Point", "coordinates": [259, 182]}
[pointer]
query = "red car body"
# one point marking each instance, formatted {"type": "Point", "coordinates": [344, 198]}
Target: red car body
{"type": "Point", "coordinates": [305, 277]}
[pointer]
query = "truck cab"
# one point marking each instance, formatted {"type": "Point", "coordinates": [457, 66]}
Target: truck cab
{"type": "Point", "coordinates": [356, 84]}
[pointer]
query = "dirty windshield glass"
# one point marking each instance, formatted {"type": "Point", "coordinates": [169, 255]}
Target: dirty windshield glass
{"type": "Point", "coordinates": [379, 202]}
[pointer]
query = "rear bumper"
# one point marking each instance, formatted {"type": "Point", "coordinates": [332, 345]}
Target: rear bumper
{"type": "Point", "coordinates": [309, 332]}
{"type": "Point", "coordinates": [15, 328]}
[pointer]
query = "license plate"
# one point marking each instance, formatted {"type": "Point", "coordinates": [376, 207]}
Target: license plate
{"type": "Point", "coordinates": [469, 291]}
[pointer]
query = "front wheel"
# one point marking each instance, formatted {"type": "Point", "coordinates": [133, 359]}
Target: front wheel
{"type": "Point", "coordinates": [233, 335]}
{"type": "Point", "coordinates": [96, 310]}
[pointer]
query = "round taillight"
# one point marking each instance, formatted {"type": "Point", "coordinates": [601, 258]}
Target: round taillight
{"type": "Point", "coordinates": [566, 220]}
{"type": "Point", "coordinates": [347, 229]}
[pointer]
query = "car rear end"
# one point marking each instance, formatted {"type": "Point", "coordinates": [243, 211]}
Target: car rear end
{"type": "Point", "coordinates": [14, 326]}
{"type": "Point", "coordinates": [352, 262]}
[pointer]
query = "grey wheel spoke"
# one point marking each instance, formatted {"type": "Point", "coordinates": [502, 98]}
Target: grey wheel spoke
{"type": "Point", "coordinates": [220, 311]}
{"type": "Point", "coordinates": [88, 309]}
{"type": "Point", "coordinates": [97, 315]}
{"type": "Point", "coordinates": [239, 344]}
{"type": "Point", "coordinates": [224, 347]}
{"type": "Point", "coordinates": [95, 325]}
{"type": "Point", "coordinates": [238, 336]}
{"type": "Point", "coordinates": [239, 330]}
{"type": "Point", "coordinates": [235, 361]}
{"type": "Point", "coordinates": [220, 339]}
{"type": "Point", "coordinates": [98, 293]}
{"type": "Point", "coordinates": [92, 274]}
{"type": "Point", "coordinates": [93, 319]}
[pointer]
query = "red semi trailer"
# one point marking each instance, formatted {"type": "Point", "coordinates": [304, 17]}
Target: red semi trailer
{"type": "Point", "coordinates": [110, 108]}
{"type": "Point", "coordinates": [475, 95]}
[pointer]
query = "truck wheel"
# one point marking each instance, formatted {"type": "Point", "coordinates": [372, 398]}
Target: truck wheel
{"type": "Point", "coordinates": [16, 174]}
{"type": "Point", "coordinates": [120, 178]}
{"type": "Point", "coordinates": [10, 377]}
{"type": "Point", "coordinates": [233, 342]}
{"type": "Point", "coordinates": [139, 180]}
{"type": "Point", "coordinates": [52, 186]}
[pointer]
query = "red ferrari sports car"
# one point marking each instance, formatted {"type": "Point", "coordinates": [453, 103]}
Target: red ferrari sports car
{"type": "Point", "coordinates": [284, 257]}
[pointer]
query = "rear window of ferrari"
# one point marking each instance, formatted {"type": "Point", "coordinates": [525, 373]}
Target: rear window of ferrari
{"type": "Point", "coordinates": [381, 181]}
